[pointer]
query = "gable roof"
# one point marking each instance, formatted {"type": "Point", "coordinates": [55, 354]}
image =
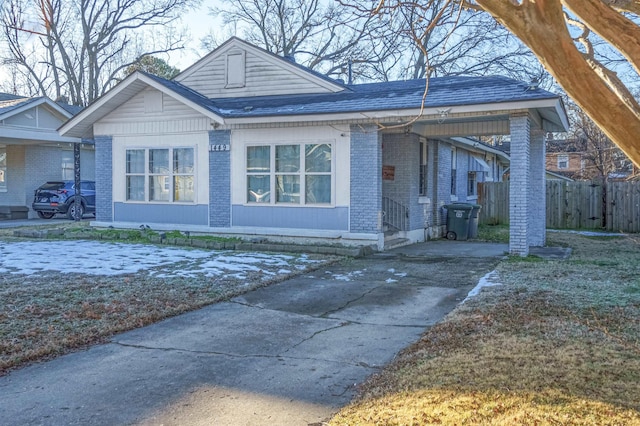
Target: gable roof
{"type": "Point", "coordinates": [323, 82]}
{"type": "Point", "coordinates": [81, 125]}
{"type": "Point", "coordinates": [18, 104]}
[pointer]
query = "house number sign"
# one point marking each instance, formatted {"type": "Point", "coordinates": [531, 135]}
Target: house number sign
{"type": "Point", "coordinates": [219, 147]}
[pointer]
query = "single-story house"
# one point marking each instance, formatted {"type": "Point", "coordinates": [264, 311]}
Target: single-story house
{"type": "Point", "coordinates": [33, 152]}
{"type": "Point", "coordinates": [248, 143]}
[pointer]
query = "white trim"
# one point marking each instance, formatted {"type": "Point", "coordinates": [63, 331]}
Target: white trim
{"type": "Point", "coordinates": [472, 143]}
{"type": "Point", "coordinates": [32, 134]}
{"type": "Point", "coordinates": [467, 112]}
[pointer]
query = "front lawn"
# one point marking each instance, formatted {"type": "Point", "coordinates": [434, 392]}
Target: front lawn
{"type": "Point", "coordinates": [557, 344]}
{"type": "Point", "coordinates": [56, 296]}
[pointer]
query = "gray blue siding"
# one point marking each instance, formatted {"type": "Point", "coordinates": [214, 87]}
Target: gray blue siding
{"type": "Point", "coordinates": [178, 214]}
{"type": "Point", "coordinates": [312, 218]}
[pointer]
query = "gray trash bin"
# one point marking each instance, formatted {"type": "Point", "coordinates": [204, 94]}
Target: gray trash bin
{"type": "Point", "coordinates": [473, 220]}
{"type": "Point", "coordinates": [458, 215]}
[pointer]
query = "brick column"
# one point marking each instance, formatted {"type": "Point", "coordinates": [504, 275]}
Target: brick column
{"type": "Point", "coordinates": [538, 196]}
{"type": "Point", "coordinates": [220, 179]}
{"type": "Point", "coordinates": [365, 213]}
{"type": "Point", "coordinates": [104, 178]}
{"type": "Point", "coordinates": [520, 184]}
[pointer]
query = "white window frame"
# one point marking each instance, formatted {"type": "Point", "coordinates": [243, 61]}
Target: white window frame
{"type": "Point", "coordinates": [169, 182]}
{"type": "Point", "coordinates": [273, 173]}
{"type": "Point", "coordinates": [563, 158]}
{"type": "Point", "coordinates": [3, 169]}
{"type": "Point", "coordinates": [472, 184]}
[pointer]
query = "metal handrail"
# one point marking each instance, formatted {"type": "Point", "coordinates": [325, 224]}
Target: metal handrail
{"type": "Point", "coordinates": [395, 214]}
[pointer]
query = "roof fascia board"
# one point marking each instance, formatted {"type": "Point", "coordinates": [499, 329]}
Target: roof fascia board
{"type": "Point", "coordinates": [432, 113]}
{"type": "Point", "coordinates": [34, 135]}
{"type": "Point", "coordinates": [269, 57]}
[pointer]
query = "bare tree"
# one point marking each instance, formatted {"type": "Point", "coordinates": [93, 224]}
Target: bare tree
{"type": "Point", "coordinates": [559, 33]}
{"type": "Point", "coordinates": [324, 36]}
{"type": "Point", "coordinates": [79, 48]}
{"type": "Point", "coordinates": [602, 157]}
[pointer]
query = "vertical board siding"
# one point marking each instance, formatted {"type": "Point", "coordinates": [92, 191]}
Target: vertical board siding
{"type": "Point", "coordinates": [571, 205]}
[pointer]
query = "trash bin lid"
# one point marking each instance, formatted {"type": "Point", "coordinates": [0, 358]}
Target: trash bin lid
{"type": "Point", "coordinates": [460, 206]}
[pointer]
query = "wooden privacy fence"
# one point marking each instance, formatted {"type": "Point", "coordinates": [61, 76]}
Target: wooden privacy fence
{"type": "Point", "coordinates": [572, 205]}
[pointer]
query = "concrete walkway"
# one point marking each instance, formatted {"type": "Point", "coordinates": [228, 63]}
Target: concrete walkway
{"type": "Point", "coordinates": [288, 354]}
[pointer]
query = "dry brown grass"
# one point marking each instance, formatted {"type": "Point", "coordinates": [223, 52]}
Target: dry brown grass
{"type": "Point", "coordinates": [47, 314]}
{"type": "Point", "coordinates": [557, 344]}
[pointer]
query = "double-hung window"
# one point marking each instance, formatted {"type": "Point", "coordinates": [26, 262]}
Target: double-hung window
{"type": "Point", "coordinates": [160, 175]}
{"type": "Point", "coordinates": [289, 174]}
{"type": "Point", "coordinates": [472, 184]}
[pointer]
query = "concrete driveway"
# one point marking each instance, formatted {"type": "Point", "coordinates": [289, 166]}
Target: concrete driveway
{"type": "Point", "coordinates": [288, 354]}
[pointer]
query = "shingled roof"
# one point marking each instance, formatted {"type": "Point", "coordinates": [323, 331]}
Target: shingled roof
{"type": "Point", "coordinates": [442, 92]}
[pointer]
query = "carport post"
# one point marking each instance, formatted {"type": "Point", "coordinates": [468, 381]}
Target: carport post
{"type": "Point", "coordinates": [77, 201]}
{"type": "Point", "coordinates": [519, 184]}
{"type": "Point", "coordinates": [538, 193]}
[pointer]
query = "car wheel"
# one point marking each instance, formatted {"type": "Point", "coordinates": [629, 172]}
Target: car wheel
{"type": "Point", "coordinates": [71, 212]}
{"type": "Point", "coordinates": [46, 215]}
{"type": "Point", "coordinates": [451, 235]}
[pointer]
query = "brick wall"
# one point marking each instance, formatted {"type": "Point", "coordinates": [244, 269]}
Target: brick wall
{"type": "Point", "coordinates": [17, 193]}
{"type": "Point", "coordinates": [443, 194]}
{"type": "Point", "coordinates": [366, 180]}
{"type": "Point", "coordinates": [42, 164]}
{"type": "Point", "coordinates": [403, 153]}
{"type": "Point", "coordinates": [537, 203]}
{"type": "Point", "coordinates": [104, 178]}
{"type": "Point", "coordinates": [519, 185]}
{"type": "Point", "coordinates": [220, 180]}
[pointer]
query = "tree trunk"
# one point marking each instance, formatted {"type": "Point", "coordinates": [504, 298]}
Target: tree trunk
{"type": "Point", "coordinates": [542, 27]}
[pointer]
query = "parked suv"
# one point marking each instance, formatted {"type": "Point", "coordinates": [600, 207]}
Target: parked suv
{"type": "Point", "coordinates": [58, 197]}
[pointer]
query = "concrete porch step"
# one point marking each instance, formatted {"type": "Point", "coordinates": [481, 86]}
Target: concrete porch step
{"type": "Point", "coordinates": [396, 242]}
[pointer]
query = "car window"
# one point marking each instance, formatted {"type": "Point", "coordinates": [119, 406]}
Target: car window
{"type": "Point", "coordinates": [50, 186]}
{"type": "Point", "coordinates": [89, 186]}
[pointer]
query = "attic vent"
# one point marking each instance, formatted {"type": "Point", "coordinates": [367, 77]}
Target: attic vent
{"type": "Point", "coordinates": [235, 70]}
{"type": "Point", "coordinates": [153, 101]}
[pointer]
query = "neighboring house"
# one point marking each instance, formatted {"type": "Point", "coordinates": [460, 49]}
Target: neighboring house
{"type": "Point", "coordinates": [248, 143]}
{"type": "Point", "coordinates": [567, 164]}
{"type": "Point", "coordinates": [32, 151]}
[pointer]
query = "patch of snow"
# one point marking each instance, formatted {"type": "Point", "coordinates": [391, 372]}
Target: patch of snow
{"type": "Point", "coordinates": [391, 280]}
{"type": "Point", "coordinates": [103, 258]}
{"type": "Point", "coordinates": [489, 280]}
